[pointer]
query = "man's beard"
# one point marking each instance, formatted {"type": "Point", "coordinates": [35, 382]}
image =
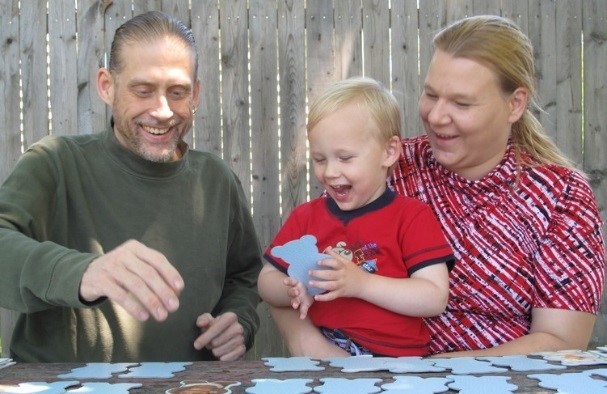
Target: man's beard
{"type": "Point", "coordinates": [136, 144]}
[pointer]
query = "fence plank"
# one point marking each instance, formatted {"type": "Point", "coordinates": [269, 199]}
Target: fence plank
{"type": "Point", "coordinates": [406, 79]}
{"type": "Point", "coordinates": [235, 94]}
{"type": "Point", "coordinates": [291, 68]}
{"type": "Point", "coordinates": [63, 67]}
{"type": "Point", "coordinates": [376, 25]}
{"type": "Point", "coordinates": [319, 70]}
{"type": "Point", "coordinates": [265, 147]}
{"type": "Point", "coordinates": [91, 49]}
{"type": "Point", "coordinates": [207, 121]}
{"type": "Point", "coordinates": [10, 139]}
{"type": "Point", "coordinates": [32, 41]}
{"type": "Point", "coordinates": [568, 116]}
{"type": "Point", "coordinates": [348, 39]}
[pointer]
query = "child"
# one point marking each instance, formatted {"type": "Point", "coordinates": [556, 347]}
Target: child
{"type": "Point", "coordinates": [392, 265]}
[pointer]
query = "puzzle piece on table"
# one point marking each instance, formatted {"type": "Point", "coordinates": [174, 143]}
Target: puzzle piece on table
{"type": "Point", "coordinates": [302, 255]}
{"type": "Point", "coordinates": [412, 364]}
{"type": "Point", "coordinates": [292, 364]}
{"type": "Point", "coordinates": [106, 388]}
{"type": "Point", "coordinates": [203, 386]}
{"type": "Point", "coordinates": [366, 363]}
{"type": "Point", "coordinates": [478, 384]}
{"type": "Point", "coordinates": [40, 387]}
{"type": "Point", "coordinates": [96, 371]}
{"type": "Point", "coordinates": [155, 370]}
{"type": "Point", "coordinates": [6, 362]}
{"type": "Point", "coordinates": [275, 386]}
{"type": "Point", "coordinates": [602, 349]}
{"type": "Point", "coordinates": [350, 386]}
{"type": "Point", "coordinates": [417, 385]}
{"type": "Point", "coordinates": [574, 357]}
{"type": "Point", "coordinates": [466, 365]}
{"type": "Point", "coordinates": [573, 383]}
{"type": "Point", "coordinates": [521, 363]}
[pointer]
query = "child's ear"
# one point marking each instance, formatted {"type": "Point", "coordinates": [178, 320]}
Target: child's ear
{"type": "Point", "coordinates": [393, 148]}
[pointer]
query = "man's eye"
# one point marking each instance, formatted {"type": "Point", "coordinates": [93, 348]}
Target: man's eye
{"type": "Point", "coordinates": [178, 94]}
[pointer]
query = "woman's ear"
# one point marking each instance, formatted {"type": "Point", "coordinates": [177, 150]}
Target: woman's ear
{"type": "Point", "coordinates": [518, 101]}
{"type": "Point", "coordinates": [105, 86]}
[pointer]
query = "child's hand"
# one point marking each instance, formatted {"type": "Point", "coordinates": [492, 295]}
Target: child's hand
{"type": "Point", "coordinates": [300, 299]}
{"type": "Point", "coordinates": [344, 279]}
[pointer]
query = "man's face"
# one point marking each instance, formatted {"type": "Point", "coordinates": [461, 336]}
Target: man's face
{"type": "Point", "coordinates": [152, 97]}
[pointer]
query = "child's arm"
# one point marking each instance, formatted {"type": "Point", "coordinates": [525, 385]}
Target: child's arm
{"type": "Point", "coordinates": [279, 290]}
{"type": "Point", "coordinates": [424, 294]}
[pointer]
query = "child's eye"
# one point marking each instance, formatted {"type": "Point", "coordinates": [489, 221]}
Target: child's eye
{"type": "Point", "coordinates": [345, 158]}
{"type": "Point", "coordinates": [318, 160]}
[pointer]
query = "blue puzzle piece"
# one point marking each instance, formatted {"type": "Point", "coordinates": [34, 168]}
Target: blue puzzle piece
{"type": "Point", "coordinates": [155, 370]}
{"type": "Point", "coordinates": [292, 364]}
{"type": "Point", "coordinates": [521, 363]}
{"type": "Point", "coordinates": [350, 386]}
{"type": "Point", "coordinates": [40, 387]}
{"type": "Point", "coordinates": [479, 385]}
{"type": "Point", "coordinates": [417, 385]}
{"type": "Point", "coordinates": [302, 255]}
{"type": "Point", "coordinates": [106, 388]}
{"type": "Point", "coordinates": [96, 371]}
{"type": "Point", "coordinates": [275, 386]}
{"type": "Point", "coordinates": [412, 364]}
{"type": "Point", "coordinates": [366, 363]}
{"type": "Point", "coordinates": [574, 383]}
{"type": "Point", "coordinates": [466, 365]}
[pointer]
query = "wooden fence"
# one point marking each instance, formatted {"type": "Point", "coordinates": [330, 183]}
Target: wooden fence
{"type": "Point", "coordinates": [262, 61]}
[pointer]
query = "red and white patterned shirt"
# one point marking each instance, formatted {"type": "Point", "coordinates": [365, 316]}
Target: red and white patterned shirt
{"type": "Point", "coordinates": [535, 243]}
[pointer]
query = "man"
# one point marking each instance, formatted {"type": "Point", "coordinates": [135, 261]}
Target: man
{"type": "Point", "coordinates": [126, 245]}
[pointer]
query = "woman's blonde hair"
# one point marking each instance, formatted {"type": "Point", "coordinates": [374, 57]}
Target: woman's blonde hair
{"type": "Point", "coordinates": [498, 43]}
{"type": "Point", "coordinates": [368, 92]}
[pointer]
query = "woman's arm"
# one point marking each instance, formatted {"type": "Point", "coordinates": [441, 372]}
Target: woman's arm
{"type": "Point", "coordinates": [551, 329]}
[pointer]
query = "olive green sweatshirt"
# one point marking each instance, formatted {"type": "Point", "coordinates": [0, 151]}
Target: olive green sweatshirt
{"type": "Point", "coordinates": [73, 198]}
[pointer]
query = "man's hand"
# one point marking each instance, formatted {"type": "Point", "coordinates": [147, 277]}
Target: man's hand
{"type": "Point", "coordinates": [223, 335]}
{"type": "Point", "coordinates": [138, 278]}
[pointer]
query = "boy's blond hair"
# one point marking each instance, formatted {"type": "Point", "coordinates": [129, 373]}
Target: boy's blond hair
{"type": "Point", "coordinates": [367, 92]}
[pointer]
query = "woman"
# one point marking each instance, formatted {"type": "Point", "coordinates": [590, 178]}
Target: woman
{"type": "Point", "coordinates": [522, 222]}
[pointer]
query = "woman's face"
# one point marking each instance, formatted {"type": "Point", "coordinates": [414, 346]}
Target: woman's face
{"type": "Point", "coordinates": [466, 115]}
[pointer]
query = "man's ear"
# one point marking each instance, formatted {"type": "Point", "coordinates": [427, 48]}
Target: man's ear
{"type": "Point", "coordinates": [105, 86]}
{"type": "Point", "coordinates": [518, 101]}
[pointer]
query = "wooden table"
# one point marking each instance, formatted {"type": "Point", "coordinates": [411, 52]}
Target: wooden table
{"type": "Point", "coordinates": [244, 372]}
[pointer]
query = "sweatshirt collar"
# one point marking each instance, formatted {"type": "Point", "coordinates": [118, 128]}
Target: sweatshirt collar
{"type": "Point", "coordinates": [140, 166]}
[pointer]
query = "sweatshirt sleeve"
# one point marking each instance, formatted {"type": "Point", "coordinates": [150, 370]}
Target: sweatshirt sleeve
{"type": "Point", "coordinates": [242, 268]}
{"type": "Point", "coordinates": [37, 273]}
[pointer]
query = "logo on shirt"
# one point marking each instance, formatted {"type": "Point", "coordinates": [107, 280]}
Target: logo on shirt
{"type": "Point", "coordinates": [363, 255]}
